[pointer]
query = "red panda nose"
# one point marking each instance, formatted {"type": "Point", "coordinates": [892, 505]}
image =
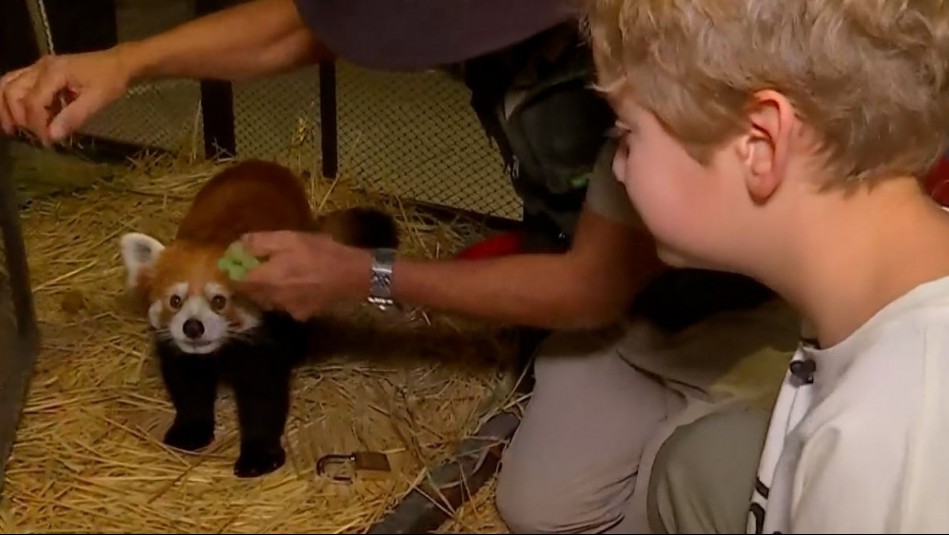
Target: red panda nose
{"type": "Point", "coordinates": [193, 328]}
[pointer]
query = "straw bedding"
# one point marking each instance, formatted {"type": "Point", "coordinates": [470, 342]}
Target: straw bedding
{"type": "Point", "coordinates": [89, 456]}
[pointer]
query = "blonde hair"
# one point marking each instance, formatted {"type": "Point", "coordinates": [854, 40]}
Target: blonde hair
{"type": "Point", "coordinates": [869, 77]}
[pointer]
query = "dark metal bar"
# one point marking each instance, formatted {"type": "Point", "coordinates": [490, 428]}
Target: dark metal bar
{"type": "Point", "coordinates": [217, 104]}
{"type": "Point", "coordinates": [97, 30]}
{"type": "Point", "coordinates": [329, 143]}
{"type": "Point", "coordinates": [17, 42]}
{"type": "Point", "coordinates": [454, 483]}
{"type": "Point", "coordinates": [217, 112]}
{"type": "Point", "coordinates": [15, 248]}
{"type": "Point", "coordinates": [19, 350]}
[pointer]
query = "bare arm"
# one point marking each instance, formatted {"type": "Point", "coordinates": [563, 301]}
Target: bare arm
{"type": "Point", "coordinates": [254, 39]}
{"type": "Point", "coordinates": [589, 286]}
{"type": "Point", "coordinates": [250, 40]}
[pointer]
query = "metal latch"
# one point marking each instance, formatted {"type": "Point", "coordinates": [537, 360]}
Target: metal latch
{"type": "Point", "coordinates": [360, 462]}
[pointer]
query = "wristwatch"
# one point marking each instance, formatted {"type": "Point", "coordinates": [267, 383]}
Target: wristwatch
{"type": "Point", "coordinates": [380, 285]}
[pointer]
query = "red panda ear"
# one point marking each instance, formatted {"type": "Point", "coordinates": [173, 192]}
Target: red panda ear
{"type": "Point", "coordinates": [139, 254]}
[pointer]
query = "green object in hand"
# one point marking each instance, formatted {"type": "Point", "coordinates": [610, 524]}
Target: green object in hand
{"type": "Point", "coordinates": [237, 262]}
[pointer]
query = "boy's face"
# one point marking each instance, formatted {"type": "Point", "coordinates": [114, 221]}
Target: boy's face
{"type": "Point", "coordinates": [694, 212]}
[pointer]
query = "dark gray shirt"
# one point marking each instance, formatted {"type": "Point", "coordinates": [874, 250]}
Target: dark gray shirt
{"type": "Point", "coordinates": [425, 34]}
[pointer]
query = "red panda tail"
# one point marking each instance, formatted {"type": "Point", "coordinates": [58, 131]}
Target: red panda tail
{"type": "Point", "coordinates": [362, 227]}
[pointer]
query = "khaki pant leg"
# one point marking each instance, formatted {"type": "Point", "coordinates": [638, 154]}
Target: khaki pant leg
{"type": "Point", "coordinates": [704, 473]}
{"type": "Point", "coordinates": [572, 464]}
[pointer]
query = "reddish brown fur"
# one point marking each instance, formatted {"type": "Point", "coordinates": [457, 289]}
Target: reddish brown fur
{"type": "Point", "coordinates": [195, 265]}
{"type": "Point", "coordinates": [257, 352]}
{"type": "Point", "coordinates": [344, 226]}
{"type": "Point", "coordinates": [250, 196]}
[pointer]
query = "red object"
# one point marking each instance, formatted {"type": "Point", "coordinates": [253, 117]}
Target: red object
{"type": "Point", "coordinates": [936, 181]}
{"type": "Point", "coordinates": [504, 244]}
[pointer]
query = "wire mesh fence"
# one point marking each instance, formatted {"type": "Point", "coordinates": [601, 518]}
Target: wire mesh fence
{"type": "Point", "coordinates": [407, 134]}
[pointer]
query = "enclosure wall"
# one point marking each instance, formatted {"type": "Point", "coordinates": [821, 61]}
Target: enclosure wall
{"type": "Point", "coordinates": [408, 134]}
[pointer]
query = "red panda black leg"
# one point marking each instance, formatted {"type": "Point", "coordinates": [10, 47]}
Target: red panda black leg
{"type": "Point", "coordinates": [192, 385]}
{"type": "Point", "coordinates": [260, 372]}
{"type": "Point", "coordinates": [261, 385]}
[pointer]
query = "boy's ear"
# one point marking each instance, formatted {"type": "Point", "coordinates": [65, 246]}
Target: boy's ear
{"type": "Point", "coordinates": [139, 254]}
{"type": "Point", "coordinates": [764, 148]}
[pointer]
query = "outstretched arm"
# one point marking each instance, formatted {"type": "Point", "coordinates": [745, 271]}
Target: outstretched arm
{"type": "Point", "coordinates": [250, 40]}
{"type": "Point", "coordinates": [254, 39]}
{"type": "Point", "coordinates": [589, 286]}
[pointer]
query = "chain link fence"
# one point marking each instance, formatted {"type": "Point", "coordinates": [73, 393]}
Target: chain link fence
{"type": "Point", "coordinates": [407, 134]}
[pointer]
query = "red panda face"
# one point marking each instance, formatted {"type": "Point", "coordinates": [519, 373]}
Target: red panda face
{"type": "Point", "coordinates": [190, 301]}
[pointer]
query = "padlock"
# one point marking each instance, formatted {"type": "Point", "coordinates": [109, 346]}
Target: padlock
{"type": "Point", "coordinates": [361, 463]}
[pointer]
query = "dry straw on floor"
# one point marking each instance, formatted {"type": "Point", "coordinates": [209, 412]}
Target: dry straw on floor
{"type": "Point", "coordinates": [89, 456]}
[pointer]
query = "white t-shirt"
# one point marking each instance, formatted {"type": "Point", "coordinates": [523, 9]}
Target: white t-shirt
{"type": "Point", "coordinates": [864, 447]}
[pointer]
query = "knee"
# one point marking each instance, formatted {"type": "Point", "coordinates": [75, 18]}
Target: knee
{"type": "Point", "coordinates": [697, 459]}
{"type": "Point", "coordinates": [539, 503]}
{"type": "Point", "coordinates": [666, 482]}
{"type": "Point", "coordinates": [516, 505]}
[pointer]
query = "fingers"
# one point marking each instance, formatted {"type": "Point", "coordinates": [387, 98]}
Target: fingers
{"type": "Point", "coordinates": [28, 97]}
{"type": "Point", "coordinates": [265, 288]}
{"type": "Point", "coordinates": [260, 282]}
{"type": "Point", "coordinates": [271, 287]}
{"type": "Point", "coordinates": [42, 104]}
{"type": "Point", "coordinates": [256, 282]}
{"type": "Point", "coordinates": [264, 244]}
{"type": "Point", "coordinates": [31, 98]}
{"type": "Point", "coordinates": [74, 115]}
{"type": "Point", "coordinates": [14, 86]}
{"type": "Point", "coordinates": [261, 300]}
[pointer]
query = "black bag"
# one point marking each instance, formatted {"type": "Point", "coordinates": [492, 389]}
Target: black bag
{"type": "Point", "coordinates": [535, 101]}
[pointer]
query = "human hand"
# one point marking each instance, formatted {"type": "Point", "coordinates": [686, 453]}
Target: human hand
{"type": "Point", "coordinates": [30, 97]}
{"type": "Point", "coordinates": [303, 273]}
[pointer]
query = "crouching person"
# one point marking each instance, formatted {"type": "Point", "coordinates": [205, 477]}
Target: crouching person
{"type": "Point", "coordinates": [635, 348]}
{"type": "Point", "coordinates": [786, 141]}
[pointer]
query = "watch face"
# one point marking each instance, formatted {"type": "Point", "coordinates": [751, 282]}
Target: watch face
{"type": "Point", "coordinates": [380, 283]}
{"type": "Point", "coordinates": [381, 278]}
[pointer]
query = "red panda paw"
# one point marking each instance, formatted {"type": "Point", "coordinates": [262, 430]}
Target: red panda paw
{"type": "Point", "coordinates": [259, 461]}
{"type": "Point", "coordinates": [190, 436]}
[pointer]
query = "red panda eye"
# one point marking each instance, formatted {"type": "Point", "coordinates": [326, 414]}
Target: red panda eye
{"type": "Point", "coordinates": [175, 302]}
{"type": "Point", "coordinates": [218, 302]}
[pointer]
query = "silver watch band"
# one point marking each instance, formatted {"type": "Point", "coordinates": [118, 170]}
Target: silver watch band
{"type": "Point", "coordinates": [380, 282]}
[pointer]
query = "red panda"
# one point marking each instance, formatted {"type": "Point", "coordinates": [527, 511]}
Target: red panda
{"type": "Point", "coordinates": [204, 334]}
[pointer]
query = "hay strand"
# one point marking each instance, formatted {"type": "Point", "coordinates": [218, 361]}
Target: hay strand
{"type": "Point", "coordinates": [89, 457]}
